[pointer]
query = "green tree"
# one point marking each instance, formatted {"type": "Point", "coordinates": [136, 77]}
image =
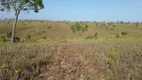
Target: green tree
{"type": "Point", "coordinates": [76, 28]}
{"type": "Point", "coordinates": [85, 29]}
{"type": "Point", "coordinates": [17, 6]}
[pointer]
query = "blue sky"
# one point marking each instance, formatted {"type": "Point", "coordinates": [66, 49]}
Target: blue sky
{"type": "Point", "coordinates": [86, 10]}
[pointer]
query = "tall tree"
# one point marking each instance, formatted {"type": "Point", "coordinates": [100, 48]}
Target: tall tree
{"type": "Point", "coordinates": [17, 6]}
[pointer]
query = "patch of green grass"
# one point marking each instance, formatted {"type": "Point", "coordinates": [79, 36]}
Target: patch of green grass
{"type": "Point", "coordinates": [112, 53]}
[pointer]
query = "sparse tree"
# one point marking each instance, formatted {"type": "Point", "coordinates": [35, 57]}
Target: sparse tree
{"type": "Point", "coordinates": [85, 29]}
{"type": "Point", "coordinates": [17, 6]}
{"type": "Point", "coordinates": [76, 28]}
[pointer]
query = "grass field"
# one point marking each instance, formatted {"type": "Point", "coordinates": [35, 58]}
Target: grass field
{"type": "Point", "coordinates": [47, 50]}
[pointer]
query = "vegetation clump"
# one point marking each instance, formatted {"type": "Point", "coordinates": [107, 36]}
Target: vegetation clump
{"type": "Point", "coordinates": [124, 33]}
{"type": "Point", "coordinates": [77, 27]}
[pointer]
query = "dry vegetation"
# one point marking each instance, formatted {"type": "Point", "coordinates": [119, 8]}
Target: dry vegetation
{"type": "Point", "coordinates": [46, 51]}
{"type": "Point", "coordinates": [58, 30]}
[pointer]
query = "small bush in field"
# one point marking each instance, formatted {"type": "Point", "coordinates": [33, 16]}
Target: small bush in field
{"type": "Point", "coordinates": [28, 37]}
{"type": "Point", "coordinates": [40, 33]}
{"type": "Point", "coordinates": [85, 29]}
{"type": "Point", "coordinates": [17, 39]}
{"type": "Point", "coordinates": [17, 71]}
{"type": "Point", "coordinates": [3, 38]}
{"type": "Point", "coordinates": [117, 36]}
{"type": "Point", "coordinates": [109, 23]}
{"type": "Point", "coordinates": [112, 53]}
{"type": "Point", "coordinates": [66, 22]}
{"type": "Point", "coordinates": [97, 23]}
{"type": "Point", "coordinates": [121, 22]}
{"type": "Point", "coordinates": [6, 37]}
{"type": "Point", "coordinates": [76, 28]}
{"type": "Point", "coordinates": [113, 26]}
{"type": "Point", "coordinates": [95, 35]}
{"type": "Point", "coordinates": [43, 31]}
{"type": "Point", "coordinates": [137, 24]}
{"type": "Point", "coordinates": [112, 29]}
{"type": "Point", "coordinates": [124, 33]}
{"type": "Point", "coordinates": [49, 27]}
{"type": "Point", "coordinates": [8, 34]}
{"type": "Point", "coordinates": [3, 66]}
{"type": "Point", "coordinates": [29, 22]}
{"type": "Point", "coordinates": [22, 22]}
{"type": "Point", "coordinates": [43, 37]}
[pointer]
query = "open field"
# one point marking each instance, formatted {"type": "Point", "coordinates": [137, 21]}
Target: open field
{"type": "Point", "coordinates": [47, 50]}
{"type": "Point", "coordinates": [60, 30]}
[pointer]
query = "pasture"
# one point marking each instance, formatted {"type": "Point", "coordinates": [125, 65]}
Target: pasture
{"type": "Point", "coordinates": [48, 50]}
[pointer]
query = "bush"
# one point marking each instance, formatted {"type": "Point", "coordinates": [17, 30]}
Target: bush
{"type": "Point", "coordinates": [8, 34]}
{"type": "Point", "coordinates": [43, 37]}
{"type": "Point", "coordinates": [117, 36]}
{"type": "Point", "coordinates": [28, 37]}
{"type": "Point", "coordinates": [113, 26]}
{"type": "Point", "coordinates": [137, 24]}
{"type": "Point", "coordinates": [49, 27]}
{"type": "Point", "coordinates": [121, 22]}
{"type": "Point", "coordinates": [95, 36]}
{"type": "Point", "coordinates": [110, 23]}
{"type": "Point", "coordinates": [112, 29]}
{"type": "Point", "coordinates": [43, 31]}
{"type": "Point", "coordinates": [124, 33]}
{"type": "Point", "coordinates": [4, 39]}
{"type": "Point", "coordinates": [16, 39]}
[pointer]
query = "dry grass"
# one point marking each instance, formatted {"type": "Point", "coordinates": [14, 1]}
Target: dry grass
{"type": "Point", "coordinates": [72, 61]}
{"type": "Point", "coordinates": [62, 30]}
{"type": "Point", "coordinates": [30, 59]}
{"type": "Point", "coordinates": [52, 53]}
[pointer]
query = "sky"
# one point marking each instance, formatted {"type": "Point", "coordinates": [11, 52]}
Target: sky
{"type": "Point", "coordinates": [86, 10]}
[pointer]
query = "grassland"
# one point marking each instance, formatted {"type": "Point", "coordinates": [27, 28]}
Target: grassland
{"type": "Point", "coordinates": [47, 50]}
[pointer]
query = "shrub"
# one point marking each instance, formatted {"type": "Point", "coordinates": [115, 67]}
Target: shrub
{"type": "Point", "coordinates": [112, 53]}
{"type": "Point", "coordinates": [3, 38]}
{"type": "Point", "coordinates": [6, 37]}
{"type": "Point", "coordinates": [112, 29]}
{"type": "Point", "coordinates": [17, 39]}
{"type": "Point", "coordinates": [40, 33]}
{"type": "Point", "coordinates": [110, 23]}
{"type": "Point", "coordinates": [124, 33]}
{"type": "Point", "coordinates": [8, 34]}
{"type": "Point", "coordinates": [95, 36]}
{"type": "Point", "coordinates": [49, 27]}
{"type": "Point", "coordinates": [113, 26]}
{"type": "Point", "coordinates": [121, 22]}
{"type": "Point", "coordinates": [76, 28]}
{"type": "Point", "coordinates": [43, 37]}
{"type": "Point", "coordinates": [43, 31]}
{"type": "Point", "coordinates": [22, 22]}
{"type": "Point", "coordinates": [137, 24]}
{"type": "Point", "coordinates": [28, 37]}
{"type": "Point", "coordinates": [29, 22]}
{"type": "Point", "coordinates": [117, 36]}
